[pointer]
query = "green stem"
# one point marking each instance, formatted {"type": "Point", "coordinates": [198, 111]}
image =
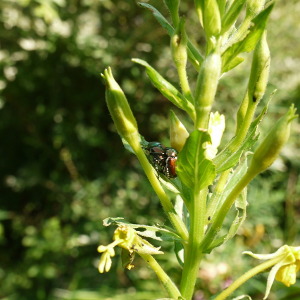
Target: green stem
{"type": "Point", "coordinates": [244, 128]}
{"type": "Point", "coordinates": [258, 269]}
{"type": "Point", "coordinates": [184, 83]}
{"type": "Point", "coordinates": [214, 201]}
{"type": "Point", "coordinates": [164, 199]}
{"type": "Point", "coordinates": [241, 133]}
{"type": "Point", "coordinates": [163, 277]}
{"type": "Point", "coordinates": [192, 254]}
{"type": "Point", "coordinates": [223, 210]}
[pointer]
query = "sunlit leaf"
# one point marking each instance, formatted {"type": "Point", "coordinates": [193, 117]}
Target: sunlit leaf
{"type": "Point", "coordinates": [250, 40]}
{"type": "Point", "coordinates": [166, 88]}
{"type": "Point", "coordinates": [193, 168]}
{"type": "Point", "coordinates": [232, 14]}
{"type": "Point", "coordinates": [194, 55]}
{"type": "Point", "coordinates": [228, 159]}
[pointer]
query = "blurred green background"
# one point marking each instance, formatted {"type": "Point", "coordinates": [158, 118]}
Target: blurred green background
{"type": "Point", "coordinates": [63, 168]}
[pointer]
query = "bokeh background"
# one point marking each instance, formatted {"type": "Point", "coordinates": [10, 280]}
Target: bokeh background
{"type": "Point", "coordinates": [63, 168]}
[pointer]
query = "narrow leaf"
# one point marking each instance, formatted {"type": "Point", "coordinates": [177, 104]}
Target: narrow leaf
{"type": "Point", "coordinates": [167, 89]}
{"type": "Point", "coordinates": [194, 55]}
{"type": "Point", "coordinates": [227, 159]}
{"type": "Point", "coordinates": [240, 205]}
{"type": "Point", "coordinates": [159, 17]}
{"type": "Point", "coordinates": [248, 43]}
{"type": "Point", "coordinates": [232, 14]}
{"type": "Point", "coordinates": [232, 64]}
{"type": "Point", "coordinates": [222, 5]}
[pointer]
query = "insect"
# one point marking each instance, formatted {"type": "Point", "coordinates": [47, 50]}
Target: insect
{"type": "Point", "coordinates": [162, 158]}
{"type": "Point", "coordinates": [170, 164]}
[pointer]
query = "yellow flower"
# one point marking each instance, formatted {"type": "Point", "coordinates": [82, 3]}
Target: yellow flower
{"type": "Point", "coordinates": [286, 265]}
{"type": "Point", "coordinates": [128, 239]}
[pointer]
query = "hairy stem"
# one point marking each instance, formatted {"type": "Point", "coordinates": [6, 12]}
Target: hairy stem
{"type": "Point", "coordinates": [192, 254]}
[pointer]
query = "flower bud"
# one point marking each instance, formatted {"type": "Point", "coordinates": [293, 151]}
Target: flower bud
{"type": "Point", "coordinates": [178, 132]}
{"type": "Point", "coordinates": [260, 70]}
{"type": "Point", "coordinates": [269, 149]}
{"type": "Point", "coordinates": [206, 88]}
{"type": "Point", "coordinates": [120, 110]}
{"type": "Point", "coordinates": [212, 18]}
{"type": "Point", "coordinates": [179, 45]}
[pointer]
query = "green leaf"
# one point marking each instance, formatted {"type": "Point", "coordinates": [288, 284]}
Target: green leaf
{"type": "Point", "coordinates": [232, 64]}
{"type": "Point", "coordinates": [170, 185]}
{"type": "Point", "coordinates": [126, 145]}
{"type": "Point", "coordinates": [211, 18]}
{"type": "Point", "coordinates": [167, 89]}
{"type": "Point", "coordinates": [232, 14]}
{"type": "Point", "coordinates": [179, 252]}
{"type": "Point", "coordinates": [222, 5]}
{"type": "Point", "coordinates": [227, 159]}
{"type": "Point", "coordinates": [193, 168]}
{"type": "Point", "coordinates": [240, 204]}
{"type": "Point", "coordinates": [159, 17]}
{"type": "Point", "coordinates": [153, 232]}
{"type": "Point", "coordinates": [249, 41]}
{"type": "Point", "coordinates": [173, 7]}
{"type": "Point", "coordinates": [194, 55]}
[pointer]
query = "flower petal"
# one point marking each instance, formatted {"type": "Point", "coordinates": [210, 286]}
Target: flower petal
{"type": "Point", "coordinates": [271, 278]}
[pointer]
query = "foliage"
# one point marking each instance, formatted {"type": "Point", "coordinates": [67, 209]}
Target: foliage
{"type": "Point", "coordinates": [58, 174]}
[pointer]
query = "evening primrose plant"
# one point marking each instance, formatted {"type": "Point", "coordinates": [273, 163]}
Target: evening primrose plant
{"type": "Point", "coordinates": [197, 182]}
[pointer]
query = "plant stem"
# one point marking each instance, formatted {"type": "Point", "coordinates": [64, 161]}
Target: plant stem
{"type": "Point", "coordinates": [258, 269]}
{"type": "Point", "coordinates": [223, 210]}
{"type": "Point", "coordinates": [164, 199]}
{"type": "Point", "coordinates": [214, 201]}
{"type": "Point", "coordinates": [184, 83]}
{"type": "Point", "coordinates": [163, 277]}
{"type": "Point", "coordinates": [241, 133]}
{"type": "Point", "coordinates": [192, 254]}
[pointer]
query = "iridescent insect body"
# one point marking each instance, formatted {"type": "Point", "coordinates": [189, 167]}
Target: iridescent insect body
{"type": "Point", "coordinates": [162, 158]}
{"type": "Point", "coordinates": [170, 164]}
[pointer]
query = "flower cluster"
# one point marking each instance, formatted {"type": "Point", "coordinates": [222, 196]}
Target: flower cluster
{"type": "Point", "coordinates": [128, 239]}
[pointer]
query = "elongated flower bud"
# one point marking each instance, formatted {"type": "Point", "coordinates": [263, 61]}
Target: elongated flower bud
{"type": "Point", "coordinates": [120, 110]}
{"type": "Point", "coordinates": [269, 149]}
{"type": "Point", "coordinates": [206, 88]}
{"type": "Point", "coordinates": [179, 45]}
{"type": "Point", "coordinates": [178, 132]}
{"type": "Point", "coordinates": [260, 70]}
{"type": "Point", "coordinates": [212, 18]}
